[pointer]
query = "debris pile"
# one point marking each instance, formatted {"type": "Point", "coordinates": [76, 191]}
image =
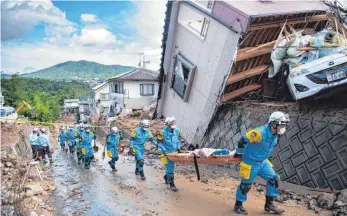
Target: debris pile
{"type": "Point", "coordinates": [324, 201]}
{"type": "Point", "coordinates": [297, 49]}
{"type": "Point", "coordinates": [12, 170]}
{"type": "Point", "coordinates": [340, 206]}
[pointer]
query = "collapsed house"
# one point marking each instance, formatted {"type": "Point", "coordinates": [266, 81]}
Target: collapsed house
{"type": "Point", "coordinates": [219, 52]}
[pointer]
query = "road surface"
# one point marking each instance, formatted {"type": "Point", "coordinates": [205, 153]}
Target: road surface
{"type": "Point", "coordinates": [99, 191]}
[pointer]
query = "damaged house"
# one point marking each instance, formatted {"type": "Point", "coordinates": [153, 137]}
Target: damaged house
{"type": "Point", "coordinates": [220, 62]}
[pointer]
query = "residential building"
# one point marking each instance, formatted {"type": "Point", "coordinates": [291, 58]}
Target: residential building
{"type": "Point", "coordinates": [217, 52]}
{"type": "Point", "coordinates": [209, 58]}
{"type": "Point", "coordinates": [71, 105]}
{"type": "Point", "coordinates": [135, 89]}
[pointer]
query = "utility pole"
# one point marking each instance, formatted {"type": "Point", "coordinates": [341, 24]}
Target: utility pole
{"type": "Point", "coordinates": [142, 62]}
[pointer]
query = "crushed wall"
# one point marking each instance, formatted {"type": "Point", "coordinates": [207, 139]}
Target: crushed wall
{"type": "Point", "coordinates": [313, 151]}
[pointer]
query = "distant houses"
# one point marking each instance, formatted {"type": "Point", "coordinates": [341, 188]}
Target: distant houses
{"type": "Point", "coordinates": [135, 89]}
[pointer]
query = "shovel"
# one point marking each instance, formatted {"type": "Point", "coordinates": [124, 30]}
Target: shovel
{"type": "Point", "coordinates": [95, 147]}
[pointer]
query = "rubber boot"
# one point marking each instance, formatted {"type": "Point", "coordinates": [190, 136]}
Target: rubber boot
{"type": "Point", "coordinates": [270, 207]}
{"type": "Point", "coordinates": [165, 178]}
{"type": "Point", "coordinates": [238, 208]}
{"type": "Point", "coordinates": [173, 187]}
{"type": "Point", "coordinates": [143, 177]}
{"type": "Point", "coordinates": [137, 172]}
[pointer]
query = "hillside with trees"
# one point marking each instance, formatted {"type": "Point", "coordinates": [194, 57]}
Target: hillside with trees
{"type": "Point", "coordinates": [78, 70]}
{"type": "Point", "coordinates": [45, 96]}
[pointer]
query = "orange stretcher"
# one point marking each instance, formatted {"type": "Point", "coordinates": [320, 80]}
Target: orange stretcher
{"type": "Point", "coordinates": [188, 158]}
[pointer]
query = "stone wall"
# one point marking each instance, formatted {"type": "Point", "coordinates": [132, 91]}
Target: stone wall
{"type": "Point", "coordinates": [313, 151]}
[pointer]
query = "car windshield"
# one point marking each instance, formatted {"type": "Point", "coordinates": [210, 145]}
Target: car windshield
{"type": "Point", "coordinates": [2, 112]}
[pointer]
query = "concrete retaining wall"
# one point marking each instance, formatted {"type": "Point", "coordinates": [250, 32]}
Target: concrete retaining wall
{"type": "Point", "coordinates": [313, 151]}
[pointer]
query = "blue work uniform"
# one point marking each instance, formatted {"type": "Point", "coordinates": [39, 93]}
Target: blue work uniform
{"type": "Point", "coordinates": [112, 146]}
{"type": "Point", "coordinates": [86, 147]}
{"type": "Point", "coordinates": [33, 139]}
{"type": "Point", "coordinates": [258, 146]}
{"type": "Point", "coordinates": [70, 136]}
{"type": "Point", "coordinates": [43, 141]}
{"type": "Point", "coordinates": [169, 141]}
{"type": "Point", "coordinates": [137, 141]}
{"type": "Point", "coordinates": [62, 139]}
{"type": "Point", "coordinates": [78, 134]}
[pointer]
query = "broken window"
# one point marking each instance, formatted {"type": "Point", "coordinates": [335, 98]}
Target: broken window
{"type": "Point", "coordinates": [147, 89]}
{"type": "Point", "coordinates": [182, 77]}
{"type": "Point", "coordinates": [193, 20]}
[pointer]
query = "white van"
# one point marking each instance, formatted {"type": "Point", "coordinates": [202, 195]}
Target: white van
{"type": "Point", "coordinates": [8, 114]}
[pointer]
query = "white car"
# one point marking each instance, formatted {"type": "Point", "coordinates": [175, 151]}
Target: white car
{"type": "Point", "coordinates": [316, 76]}
{"type": "Point", "coordinates": [8, 115]}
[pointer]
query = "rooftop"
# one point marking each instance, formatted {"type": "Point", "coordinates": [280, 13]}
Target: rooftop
{"type": "Point", "coordinates": [276, 7]}
{"type": "Point", "coordinates": [138, 74]}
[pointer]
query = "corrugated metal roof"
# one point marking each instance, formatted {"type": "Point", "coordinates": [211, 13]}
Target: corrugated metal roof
{"type": "Point", "coordinates": [138, 74]}
{"type": "Point", "coordinates": [277, 7]}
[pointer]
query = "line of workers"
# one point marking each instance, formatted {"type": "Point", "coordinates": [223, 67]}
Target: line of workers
{"type": "Point", "coordinates": [80, 140]}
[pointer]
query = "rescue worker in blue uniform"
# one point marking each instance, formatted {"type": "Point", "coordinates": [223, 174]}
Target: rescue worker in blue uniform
{"type": "Point", "coordinates": [112, 146]}
{"type": "Point", "coordinates": [33, 139]}
{"type": "Point", "coordinates": [45, 145]}
{"type": "Point", "coordinates": [87, 138]}
{"type": "Point", "coordinates": [254, 148]}
{"type": "Point", "coordinates": [169, 142]}
{"type": "Point", "coordinates": [78, 133]}
{"type": "Point", "coordinates": [62, 138]}
{"type": "Point", "coordinates": [70, 136]}
{"type": "Point", "coordinates": [139, 137]}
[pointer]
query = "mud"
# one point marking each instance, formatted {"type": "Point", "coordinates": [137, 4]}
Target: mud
{"type": "Point", "coordinates": [99, 191]}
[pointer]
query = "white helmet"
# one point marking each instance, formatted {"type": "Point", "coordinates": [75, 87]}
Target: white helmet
{"type": "Point", "coordinates": [279, 118]}
{"type": "Point", "coordinates": [36, 130]}
{"type": "Point", "coordinates": [145, 124]}
{"type": "Point", "coordinates": [279, 121]}
{"type": "Point", "coordinates": [171, 122]}
{"type": "Point", "coordinates": [43, 130]}
{"type": "Point", "coordinates": [114, 129]}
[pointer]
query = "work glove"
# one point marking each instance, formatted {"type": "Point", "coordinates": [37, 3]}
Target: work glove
{"type": "Point", "coordinates": [236, 155]}
{"type": "Point", "coordinates": [178, 151]}
{"type": "Point", "coordinates": [131, 152]}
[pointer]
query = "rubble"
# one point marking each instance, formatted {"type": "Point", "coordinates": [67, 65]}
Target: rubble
{"type": "Point", "coordinates": [21, 192]}
{"type": "Point", "coordinates": [326, 200]}
{"type": "Point", "coordinates": [340, 206]}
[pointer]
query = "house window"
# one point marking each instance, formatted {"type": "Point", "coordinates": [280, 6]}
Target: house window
{"type": "Point", "coordinates": [118, 88]}
{"type": "Point", "coordinates": [193, 21]}
{"type": "Point", "coordinates": [146, 89]}
{"type": "Point", "coordinates": [182, 77]}
{"type": "Point", "coordinates": [104, 96]}
{"type": "Point", "coordinates": [85, 108]}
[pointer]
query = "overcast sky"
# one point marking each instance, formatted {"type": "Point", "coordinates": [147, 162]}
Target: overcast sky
{"type": "Point", "coordinates": [39, 34]}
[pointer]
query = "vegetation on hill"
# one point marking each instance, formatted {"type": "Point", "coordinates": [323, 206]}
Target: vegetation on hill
{"type": "Point", "coordinates": [78, 70]}
{"type": "Point", "coordinates": [45, 96]}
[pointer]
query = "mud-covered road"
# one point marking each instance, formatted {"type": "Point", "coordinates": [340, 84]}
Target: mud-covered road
{"type": "Point", "coordinates": [99, 191]}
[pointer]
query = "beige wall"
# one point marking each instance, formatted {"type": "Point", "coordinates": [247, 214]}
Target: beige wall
{"type": "Point", "coordinates": [213, 58]}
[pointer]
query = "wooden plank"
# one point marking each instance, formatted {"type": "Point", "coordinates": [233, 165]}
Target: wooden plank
{"type": "Point", "coordinates": [239, 92]}
{"type": "Point", "coordinates": [246, 74]}
{"type": "Point", "coordinates": [314, 18]}
{"type": "Point", "coordinates": [241, 54]}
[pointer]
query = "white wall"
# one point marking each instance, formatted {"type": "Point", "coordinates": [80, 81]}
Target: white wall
{"type": "Point", "coordinates": [133, 99]}
{"type": "Point", "coordinates": [103, 89]}
{"type": "Point", "coordinates": [213, 58]}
